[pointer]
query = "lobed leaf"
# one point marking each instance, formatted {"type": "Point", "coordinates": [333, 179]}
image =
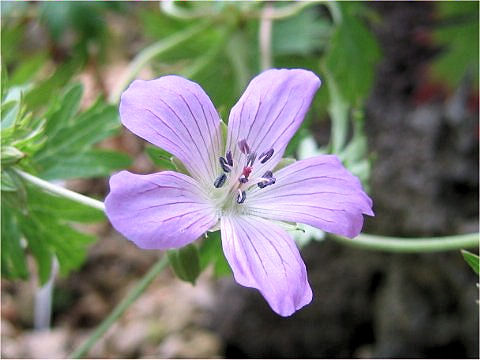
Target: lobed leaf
{"type": "Point", "coordinates": [352, 56]}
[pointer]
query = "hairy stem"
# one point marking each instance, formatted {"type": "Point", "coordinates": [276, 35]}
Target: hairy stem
{"type": "Point", "coordinates": [410, 245]}
{"type": "Point", "coordinates": [133, 295]}
{"type": "Point", "coordinates": [61, 191]}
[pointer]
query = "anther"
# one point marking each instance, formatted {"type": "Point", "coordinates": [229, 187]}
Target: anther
{"type": "Point", "coordinates": [243, 179]}
{"type": "Point", "coordinates": [243, 146]}
{"type": "Point", "coordinates": [268, 180]}
{"type": "Point", "coordinates": [229, 157]}
{"type": "Point", "coordinates": [220, 181]}
{"type": "Point", "coordinates": [268, 174]}
{"type": "Point", "coordinates": [265, 156]}
{"type": "Point", "coordinates": [242, 195]}
{"type": "Point", "coordinates": [251, 158]}
{"type": "Point", "coordinates": [224, 164]}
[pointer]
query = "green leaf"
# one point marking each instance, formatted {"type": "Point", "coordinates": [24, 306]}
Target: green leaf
{"type": "Point", "coordinates": [39, 248]}
{"type": "Point", "coordinates": [457, 35]}
{"type": "Point", "coordinates": [185, 262]}
{"type": "Point", "coordinates": [472, 260]}
{"type": "Point", "coordinates": [211, 252]}
{"type": "Point", "coordinates": [13, 258]}
{"type": "Point", "coordinates": [178, 165]}
{"type": "Point", "coordinates": [41, 94]}
{"type": "Point", "coordinates": [9, 181]}
{"type": "Point", "coordinates": [11, 108]}
{"type": "Point", "coordinates": [48, 236]}
{"type": "Point", "coordinates": [303, 34]}
{"type": "Point", "coordinates": [160, 157]}
{"type": "Point", "coordinates": [68, 107]}
{"type": "Point", "coordinates": [97, 123]}
{"type": "Point", "coordinates": [45, 221]}
{"type": "Point", "coordinates": [62, 208]}
{"type": "Point", "coordinates": [27, 69]}
{"type": "Point", "coordinates": [352, 56]}
{"type": "Point", "coordinates": [92, 163]}
{"type": "Point", "coordinates": [283, 163]}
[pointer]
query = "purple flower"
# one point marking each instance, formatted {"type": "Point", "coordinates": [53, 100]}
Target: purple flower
{"type": "Point", "coordinates": [234, 186]}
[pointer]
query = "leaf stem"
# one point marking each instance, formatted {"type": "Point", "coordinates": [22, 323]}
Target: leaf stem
{"type": "Point", "coordinates": [152, 51]}
{"type": "Point", "coordinates": [410, 245]}
{"type": "Point", "coordinates": [60, 190]}
{"type": "Point", "coordinates": [133, 295]}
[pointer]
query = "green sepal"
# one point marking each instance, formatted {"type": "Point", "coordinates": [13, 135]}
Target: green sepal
{"type": "Point", "coordinates": [179, 165]}
{"type": "Point", "coordinates": [185, 263]}
{"type": "Point", "coordinates": [160, 157]}
{"type": "Point", "coordinates": [284, 163]}
{"type": "Point", "coordinates": [472, 260]}
{"type": "Point", "coordinates": [211, 252]}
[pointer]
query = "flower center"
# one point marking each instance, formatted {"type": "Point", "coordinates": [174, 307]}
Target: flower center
{"type": "Point", "coordinates": [238, 187]}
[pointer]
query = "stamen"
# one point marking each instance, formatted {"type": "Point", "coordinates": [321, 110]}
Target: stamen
{"type": "Point", "coordinates": [244, 148]}
{"type": "Point", "coordinates": [267, 179]}
{"type": "Point", "coordinates": [268, 174]}
{"type": "Point", "coordinates": [223, 164]}
{"type": "Point", "coordinates": [251, 159]}
{"type": "Point", "coordinates": [220, 181]}
{"type": "Point", "coordinates": [243, 179]}
{"type": "Point", "coordinates": [265, 156]}
{"type": "Point", "coordinates": [242, 195]}
{"type": "Point", "coordinates": [229, 157]}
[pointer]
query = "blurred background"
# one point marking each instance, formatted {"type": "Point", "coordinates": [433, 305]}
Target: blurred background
{"type": "Point", "coordinates": [399, 104]}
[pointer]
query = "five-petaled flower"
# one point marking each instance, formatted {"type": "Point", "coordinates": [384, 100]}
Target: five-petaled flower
{"type": "Point", "coordinates": [234, 186]}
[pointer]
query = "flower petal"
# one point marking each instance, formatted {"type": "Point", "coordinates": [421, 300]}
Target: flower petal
{"type": "Point", "coordinates": [263, 256]}
{"type": "Point", "coordinates": [270, 111]}
{"type": "Point", "coordinates": [158, 211]}
{"type": "Point", "coordinates": [176, 115]}
{"type": "Point", "coordinates": [317, 191]}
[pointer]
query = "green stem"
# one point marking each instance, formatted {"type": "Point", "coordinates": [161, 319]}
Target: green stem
{"type": "Point", "coordinates": [133, 295]}
{"type": "Point", "coordinates": [410, 245]}
{"type": "Point", "coordinates": [291, 10]}
{"type": "Point", "coordinates": [151, 52]}
{"type": "Point", "coordinates": [60, 190]}
{"type": "Point", "coordinates": [265, 37]}
{"type": "Point", "coordinates": [171, 8]}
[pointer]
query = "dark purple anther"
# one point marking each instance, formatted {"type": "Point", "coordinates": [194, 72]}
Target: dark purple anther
{"type": "Point", "coordinates": [220, 181]}
{"type": "Point", "coordinates": [268, 174]}
{"type": "Point", "coordinates": [229, 157]}
{"type": "Point", "coordinates": [251, 159]}
{"type": "Point", "coordinates": [270, 180]}
{"type": "Point", "coordinates": [265, 156]}
{"type": "Point", "coordinates": [244, 148]}
{"type": "Point", "coordinates": [242, 195]}
{"type": "Point", "coordinates": [223, 164]}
